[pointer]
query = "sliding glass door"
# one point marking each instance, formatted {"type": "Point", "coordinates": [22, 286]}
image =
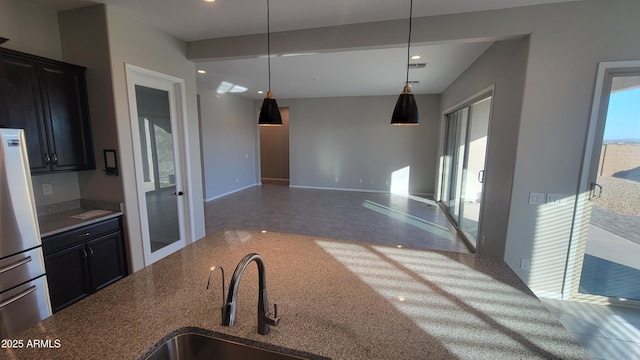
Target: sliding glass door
{"type": "Point", "coordinates": [464, 161]}
{"type": "Point", "coordinates": [605, 264]}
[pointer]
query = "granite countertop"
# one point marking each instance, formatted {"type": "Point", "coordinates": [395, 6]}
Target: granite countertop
{"type": "Point", "coordinates": [57, 218]}
{"type": "Point", "coordinates": [343, 300]}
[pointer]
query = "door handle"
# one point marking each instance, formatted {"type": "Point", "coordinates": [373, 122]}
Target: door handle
{"type": "Point", "coordinates": [593, 195]}
{"type": "Point", "coordinates": [481, 176]}
{"type": "Point", "coordinates": [179, 193]}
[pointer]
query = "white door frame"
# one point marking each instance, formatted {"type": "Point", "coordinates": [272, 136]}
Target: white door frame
{"type": "Point", "coordinates": [578, 244]}
{"type": "Point", "coordinates": [136, 75]}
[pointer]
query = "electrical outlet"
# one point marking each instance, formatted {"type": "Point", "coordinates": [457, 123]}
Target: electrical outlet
{"type": "Point", "coordinates": [536, 198]}
{"type": "Point", "coordinates": [556, 199]}
{"type": "Point", "coordinates": [47, 189]}
{"type": "Point", "coordinates": [336, 179]}
{"type": "Point", "coordinates": [360, 181]}
{"type": "Point", "coordinates": [524, 264]}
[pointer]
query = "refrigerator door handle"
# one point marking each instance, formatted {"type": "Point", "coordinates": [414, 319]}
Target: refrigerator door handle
{"type": "Point", "coordinates": [15, 264]}
{"type": "Point", "coordinates": [18, 297]}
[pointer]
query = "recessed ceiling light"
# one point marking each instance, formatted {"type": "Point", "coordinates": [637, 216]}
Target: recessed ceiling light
{"type": "Point", "coordinates": [209, 0]}
{"type": "Point", "coordinates": [415, 57]}
{"type": "Point", "coordinates": [260, 92]}
{"type": "Point", "coordinates": [202, 71]}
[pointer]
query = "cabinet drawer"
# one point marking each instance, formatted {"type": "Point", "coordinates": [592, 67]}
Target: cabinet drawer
{"type": "Point", "coordinates": [70, 238]}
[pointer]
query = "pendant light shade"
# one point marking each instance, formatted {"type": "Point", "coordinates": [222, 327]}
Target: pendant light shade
{"type": "Point", "coordinates": [406, 110]}
{"type": "Point", "coordinates": [269, 112]}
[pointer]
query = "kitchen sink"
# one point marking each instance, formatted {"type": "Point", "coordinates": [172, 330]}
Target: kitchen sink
{"type": "Point", "coordinates": [193, 346]}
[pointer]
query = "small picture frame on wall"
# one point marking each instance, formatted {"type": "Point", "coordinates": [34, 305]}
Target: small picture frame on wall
{"type": "Point", "coordinates": [110, 162]}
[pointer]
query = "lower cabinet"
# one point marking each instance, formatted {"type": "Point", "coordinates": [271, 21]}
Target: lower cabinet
{"type": "Point", "coordinates": [82, 261]}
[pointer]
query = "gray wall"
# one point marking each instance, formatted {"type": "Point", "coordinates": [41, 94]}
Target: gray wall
{"type": "Point", "coordinates": [30, 28]}
{"type": "Point", "coordinates": [502, 66]}
{"type": "Point", "coordinates": [83, 29]}
{"type": "Point", "coordinates": [351, 139]}
{"type": "Point", "coordinates": [228, 130]}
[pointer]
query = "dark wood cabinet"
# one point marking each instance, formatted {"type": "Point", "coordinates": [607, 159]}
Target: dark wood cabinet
{"type": "Point", "coordinates": [82, 261]}
{"type": "Point", "coordinates": [48, 99]}
{"type": "Point", "coordinates": [68, 276]}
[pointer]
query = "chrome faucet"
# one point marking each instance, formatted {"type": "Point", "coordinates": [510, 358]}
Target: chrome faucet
{"type": "Point", "coordinates": [265, 317]}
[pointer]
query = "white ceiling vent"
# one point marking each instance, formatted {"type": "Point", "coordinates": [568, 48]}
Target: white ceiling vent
{"type": "Point", "coordinates": [417, 66]}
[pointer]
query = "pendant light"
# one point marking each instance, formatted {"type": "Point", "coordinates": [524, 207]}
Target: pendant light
{"type": "Point", "coordinates": [406, 111]}
{"type": "Point", "coordinates": [269, 112]}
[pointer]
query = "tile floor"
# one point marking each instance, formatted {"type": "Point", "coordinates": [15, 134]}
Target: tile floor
{"type": "Point", "coordinates": [606, 332]}
{"type": "Point", "coordinates": [370, 217]}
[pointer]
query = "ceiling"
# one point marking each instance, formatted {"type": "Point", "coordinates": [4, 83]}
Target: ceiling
{"type": "Point", "coordinates": [346, 73]}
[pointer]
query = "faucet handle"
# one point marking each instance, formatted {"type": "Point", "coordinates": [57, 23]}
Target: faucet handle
{"type": "Point", "coordinates": [272, 318]}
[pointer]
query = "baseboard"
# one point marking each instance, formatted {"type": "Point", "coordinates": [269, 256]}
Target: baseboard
{"type": "Point", "coordinates": [231, 192]}
{"type": "Point", "coordinates": [338, 189]}
{"type": "Point", "coordinates": [428, 195]}
{"type": "Point", "coordinates": [313, 188]}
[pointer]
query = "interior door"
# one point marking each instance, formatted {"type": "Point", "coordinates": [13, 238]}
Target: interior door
{"type": "Point", "coordinates": [159, 170]}
{"type": "Point", "coordinates": [606, 240]}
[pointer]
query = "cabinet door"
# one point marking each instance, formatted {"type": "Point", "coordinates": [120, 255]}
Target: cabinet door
{"type": "Point", "coordinates": [66, 111]}
{"type": "Point", "coordinates": [106, 260]}
{"type": "Point", "coordinates": [68, 276]}
{"type": "Point", "coordinates": [21, 106]}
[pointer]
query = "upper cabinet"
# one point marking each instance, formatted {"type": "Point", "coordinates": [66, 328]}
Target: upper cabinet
{"type": "Point", "coordinates": [48, 99]}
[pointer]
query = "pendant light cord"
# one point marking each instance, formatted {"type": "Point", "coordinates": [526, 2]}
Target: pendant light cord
{"type": "Point", "coordinates": [409, 43]}
{"type": "Point", "coordinates": [269, 46]}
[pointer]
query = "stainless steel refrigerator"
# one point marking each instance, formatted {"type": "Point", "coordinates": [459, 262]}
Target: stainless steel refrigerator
{"type": "Point", "coordinates": [24, 297]}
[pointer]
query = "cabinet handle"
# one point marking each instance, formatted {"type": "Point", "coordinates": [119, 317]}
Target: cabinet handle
{"type": "Point", "coordinates": [47, 158]}
{"type": "Point", "coordinates": [85, 234]}
{"type": "Point", "coordinates": [84, 255]}
{"type": "Point", "coordinates": [15, 264]}
{"type": "Point", "coordinates": [54, 157]}
{"type": "Point", "coordinates": [90, 251]}
{"type": "Point", "coordinates": [18, 297]}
